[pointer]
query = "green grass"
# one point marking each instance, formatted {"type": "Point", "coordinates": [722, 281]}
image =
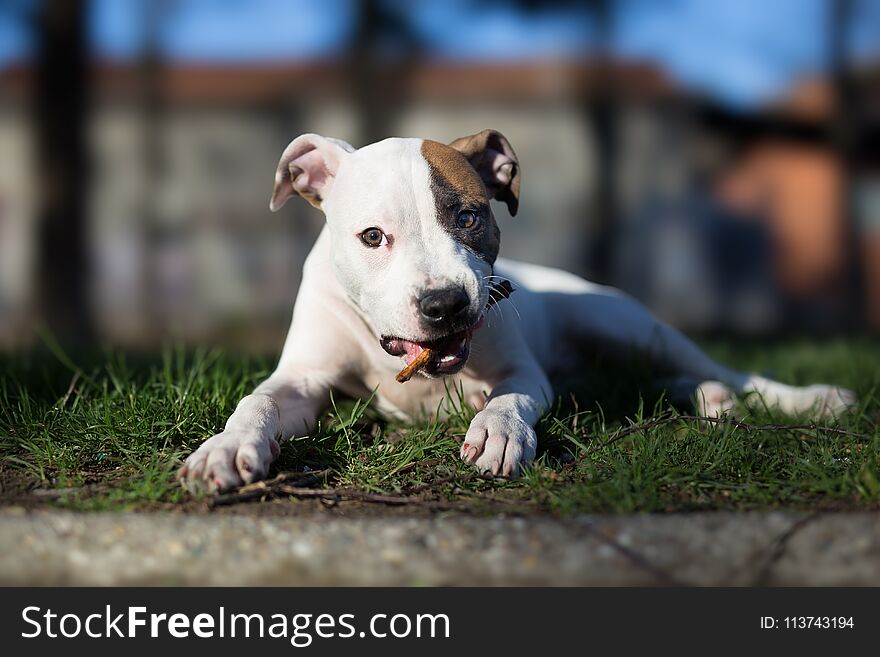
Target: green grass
{"type": "Point", "coordinates": [109, 433]}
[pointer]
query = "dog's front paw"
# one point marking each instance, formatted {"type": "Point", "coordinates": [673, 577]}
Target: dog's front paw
{"type": "Point", "coordinates": [499, 442]}
{"type": "Point", "coordinates": [228, 460]}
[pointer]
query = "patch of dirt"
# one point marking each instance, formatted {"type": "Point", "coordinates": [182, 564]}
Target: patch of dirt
{"type": "Point", "coordinates": [19, 489]}
{"type": "Point", "coordinates": [22, 490]}
{"type": "Point", "coordinates": [15, 483]}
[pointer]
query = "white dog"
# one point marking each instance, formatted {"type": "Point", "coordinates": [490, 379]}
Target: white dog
{"type": "Point", "coordinates": [407, 261]}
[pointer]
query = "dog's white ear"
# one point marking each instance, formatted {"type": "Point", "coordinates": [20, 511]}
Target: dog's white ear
{"type": "Point", "coordinates": [307, 168]}
{"type": "Point", "coordinates": [492, 156]}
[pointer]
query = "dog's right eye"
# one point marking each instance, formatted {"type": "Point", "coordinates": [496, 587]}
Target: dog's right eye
{"type": "Point", "coordinates": [373, 237]}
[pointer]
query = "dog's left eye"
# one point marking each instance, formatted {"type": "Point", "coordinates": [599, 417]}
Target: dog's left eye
{"type": "Point", "coordinates": [467, 219]}
{"type": "Point", "coordinates": [373, 237]}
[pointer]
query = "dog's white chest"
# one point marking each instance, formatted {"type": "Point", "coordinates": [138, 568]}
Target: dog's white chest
{"type": "Point", "coordinates": [421, 397]}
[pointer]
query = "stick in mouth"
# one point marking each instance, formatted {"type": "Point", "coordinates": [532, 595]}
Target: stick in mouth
{"type": "Point", "coordinates": [497, 292]}
{"type": "Point", "coordinates": [418, 363]}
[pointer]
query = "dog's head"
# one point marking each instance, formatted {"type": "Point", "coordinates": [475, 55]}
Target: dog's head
{"type": "Point", "coordinates": [413, 236]}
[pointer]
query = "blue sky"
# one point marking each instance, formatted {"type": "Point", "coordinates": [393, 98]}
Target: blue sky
{"type": "Point", "coordinates": [469, 29]}
{"type": "Point", "coordinates": [741, 51]}
{"type": "Point", "coordinates": [226, 30]}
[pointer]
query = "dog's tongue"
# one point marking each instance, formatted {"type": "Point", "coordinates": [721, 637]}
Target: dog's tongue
{"type": "Point", "coordinates": [413, 349]}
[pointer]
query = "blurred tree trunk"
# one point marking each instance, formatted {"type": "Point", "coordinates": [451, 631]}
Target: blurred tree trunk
{"type": "Point", "coordinates": [380, 80]}
{"type": "Point", "coordinates": [152, 117]}
{"type": "Point", "coordinates": [364, 73]}
{"type": "Point", "coordinates": [847, 130]}
{"type": "Point", "coordinates": [62, 174]}
{"type": "Point", "coordinates": [602, 108]}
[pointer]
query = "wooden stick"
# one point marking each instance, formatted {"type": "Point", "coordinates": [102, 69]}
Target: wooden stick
{"type": "Point", "coordinates": [418, 363]}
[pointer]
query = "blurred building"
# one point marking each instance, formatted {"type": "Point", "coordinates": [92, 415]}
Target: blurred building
{"type": "Point", "coordinates": [187, 245]}
{"type": "Point", "coordinates": [719, 218]}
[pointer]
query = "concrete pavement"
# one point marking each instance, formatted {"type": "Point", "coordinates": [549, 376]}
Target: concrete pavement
{"type": "Point", "coordinates": [739, 549]}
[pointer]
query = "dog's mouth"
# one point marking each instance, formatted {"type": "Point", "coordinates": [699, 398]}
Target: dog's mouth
{"type": "Point", "coordinates": [450, 353]}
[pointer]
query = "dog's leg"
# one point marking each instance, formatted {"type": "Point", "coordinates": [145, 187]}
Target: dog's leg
{"type": "Point", "coordinates": [284, 405]}
{"type": "Point", "coordinates": [501, 437]}
{"type": "Point", "coordinates": [815, 400]}
{"type": "Point", "coordinates": [607, 315]}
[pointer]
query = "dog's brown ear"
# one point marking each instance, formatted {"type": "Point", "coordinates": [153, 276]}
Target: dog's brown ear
{"type": "Point", "coordinates": [492, 156]}
{"type": "Point", "coordinates": [307, 168]}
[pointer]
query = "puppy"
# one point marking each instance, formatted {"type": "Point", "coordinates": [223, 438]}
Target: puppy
{"type": "Point", "coordinates": [408, 261]}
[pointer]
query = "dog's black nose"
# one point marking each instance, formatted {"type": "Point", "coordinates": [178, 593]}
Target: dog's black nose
{"type": "Point", "coordinates": [443, 305]}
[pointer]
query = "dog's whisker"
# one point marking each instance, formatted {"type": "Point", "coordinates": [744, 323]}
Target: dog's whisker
{"type": "Point", "coordinates": [515, 309]}
{"type": "Point", "coordinates": [498, 312]}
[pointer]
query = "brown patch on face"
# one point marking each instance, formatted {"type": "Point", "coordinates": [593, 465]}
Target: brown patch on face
{"type": "Point", "coordinates": [451, 167]}
{"type": "Point", "coordinates": [457, 188]}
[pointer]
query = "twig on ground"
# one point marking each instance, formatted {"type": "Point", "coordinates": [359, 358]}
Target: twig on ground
{"type": "Point", "coordinates": [297, 484]}
{"type": "Point", "coordinates": [342, 493]}
{"type": "Point", "coordinates": [338, 494]}
{"type": "Point", "coordinates": [260, 489]}
{"type": "Point", "coordinates": [305, 478]}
